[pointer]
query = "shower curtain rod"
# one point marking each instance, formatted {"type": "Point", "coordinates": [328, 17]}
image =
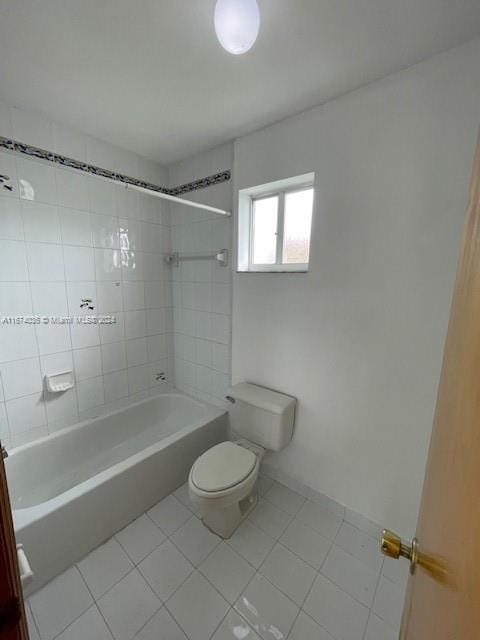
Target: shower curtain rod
{"type": "Point", "coordinates": [117, 178]}
{"type": "Point", "coordinates": [166, 196]}
{"type": "Point", "coordinates": [188, 203]}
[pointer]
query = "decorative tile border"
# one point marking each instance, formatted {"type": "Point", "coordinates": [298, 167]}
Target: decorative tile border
{"type": "Point", "coordinates": [49, 156]}
{"type": "Point", "coordinates": [216, 178]}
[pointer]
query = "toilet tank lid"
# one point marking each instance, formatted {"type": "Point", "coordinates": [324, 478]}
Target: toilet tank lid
{"type": "Point", "coordinates": [261, 397]}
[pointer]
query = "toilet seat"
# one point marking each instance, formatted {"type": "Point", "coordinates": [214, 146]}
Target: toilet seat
{"type": "Point", "coordinates": [222, 467]}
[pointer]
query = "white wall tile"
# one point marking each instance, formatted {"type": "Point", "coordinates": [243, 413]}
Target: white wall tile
{"type": "Point", "coordinates": [90, 393]}
{"type": "Point", "coordinates": [77, 293]}
{"type": "Point", "coordinates": [52, 338]}
{"type": "Point", "coordinates": [133, 296]}
{"type": "Point", "coordinates": [130, 232]}
{"type": "Point", "coordinates": [136, 351]}
{"type": "Point", "coordinates": [56, 363]}
{"type": "Point", "coordinates": [154, 267]}
{"type": "Point", "coordinates": [135, 324]}
{"type": "Point", "coordinates": [221, 357]}
{"type": "Point", "coordinates": [220, 384]}
{"type": "Point", "coordinates": [79, 263]}
{"type": "Point", "coordinates": [70, 253]}
{"type": "Point", "coordinates": [26, 413]}
{"type": "Point", "coordinates": [9, 168]}
{"type": "Point", "coordinates": [204, 353]}
{"type": "Point", "coordinates": [158, 374]}
{"type": "Point", "coordinates": [87, 363]}
{"type": "Point", "coordinates": [45, 262]}
{"type": "Point", "coordinates": [105, 230]}
{"type": "Point", "coordinates": [36, 181]}
{"type": "Point", "coordinates": [15, 299]}
{"type": "Point", "coordinates": [157, 347]}
{"type": "Point", "coordinates": [84, 335]}
{"type": "Point", "coordinates": [72, 189]}
{"type": "Point", "coordinates": [49, 298]}
{"type": "Point", "coordinates": [221, 299]}
{"type": "Point", "coordinates": [61, 407]}
{"type": "Point", "coordinates": [11, 227]}
{"type": "Point", "coordinates": [13, 262]}
{"type": "Point", "coordinates": [133, 265]}
{"type": "Point", "coordinates": [17, 342]}
{"type": "Point", "coordinates": [109, 296]}
{"type": "Point", "coordinates": [116, 385]}
{"type": "Point", "coordinates": [221, 328]}
{"type": "Point", "coordinates": [101, 196]}
{"type": "Point", "coordinates": [115, 331]}
{"type": "Point", "coordinates": [149, 208]}
{"type": "Point", "coordinates": [203, 296]}
{"type": "Point", "coordinates": [138, 378]}
{"type": "Point", "coordinates": [24, 437]}
{"type": "Point", "coordinates": [204, 379]}
{"type": "Point", "coordinates": [108, 264]}
{"type": "Point", "coordinates": [204, 325]}
{"type": "Point", "coordinates": [41, 222]}
{"type": "Point", "coordinates": [4, 430]}
{"type": "Point", "coordinates": [21, 378]}
{"type": "Point", "coordinates": [114, 357]}
{"type": "Point", "coordinates": [126, 203]}
{"type": "Point", "coordinates": [156, 321]}
{"type": "Point", "coordinates": [76, 227]}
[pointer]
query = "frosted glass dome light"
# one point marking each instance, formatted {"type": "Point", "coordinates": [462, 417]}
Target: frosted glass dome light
{"type": "Point", "coordinates": [237, 23]}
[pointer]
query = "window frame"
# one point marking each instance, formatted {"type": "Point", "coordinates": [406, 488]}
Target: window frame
{"type": "Point", "coordinates": [278, 265]}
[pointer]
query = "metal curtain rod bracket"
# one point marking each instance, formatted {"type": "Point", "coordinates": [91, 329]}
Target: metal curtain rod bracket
{"type": "Point", "coordinates": [221, 257]}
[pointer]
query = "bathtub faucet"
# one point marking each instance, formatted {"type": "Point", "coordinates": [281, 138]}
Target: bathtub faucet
{"type": "Point", "coordinates": [4, 451]}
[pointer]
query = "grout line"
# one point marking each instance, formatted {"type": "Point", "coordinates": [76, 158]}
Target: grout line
{"type": "Point", "coordinates": [27, 605]}
{"type": "Point", "coordinates": [257, 571]}
{"type": "Point", "coordinates": [93, 603]}
{"type": "Point", "coordinates": [372, 612]}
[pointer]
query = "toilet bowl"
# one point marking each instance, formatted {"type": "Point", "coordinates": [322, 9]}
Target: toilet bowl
{"type": "Point", "coordinates": [223, 480]}
{"type": "Point", "coordinates": [223, 484]}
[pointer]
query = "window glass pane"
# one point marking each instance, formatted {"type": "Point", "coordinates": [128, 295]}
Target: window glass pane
{"type": "Point", "coordinates": [297, 226]}
{"type": "Point", "coordinates": [265, 212]}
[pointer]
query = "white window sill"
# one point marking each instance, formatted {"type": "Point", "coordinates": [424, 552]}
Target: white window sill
{"type": "Point", "coordinates": [270, 270]}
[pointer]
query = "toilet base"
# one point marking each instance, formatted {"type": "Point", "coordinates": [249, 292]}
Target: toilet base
{"type": "Point", "coordinates": [224, 522]}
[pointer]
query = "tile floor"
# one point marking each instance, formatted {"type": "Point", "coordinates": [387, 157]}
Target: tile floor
{"type": "Point", "coordinates": [294, 570]}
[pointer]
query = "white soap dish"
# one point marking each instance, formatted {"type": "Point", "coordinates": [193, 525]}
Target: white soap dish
{"type": "Point", "coordinates": [58, 382]}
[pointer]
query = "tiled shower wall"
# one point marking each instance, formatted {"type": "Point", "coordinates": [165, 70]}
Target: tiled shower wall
{"type": "Point", "coordinates": [202, 289]}
{"type": "Point", "coordinates": [65, 237]}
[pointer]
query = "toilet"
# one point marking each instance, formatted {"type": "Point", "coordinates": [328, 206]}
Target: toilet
{"type": "Point", "coordinates": [223, 480]}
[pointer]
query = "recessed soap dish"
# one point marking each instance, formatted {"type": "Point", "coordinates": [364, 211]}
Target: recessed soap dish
{"type": "Point", "coordinates": [58, 382]}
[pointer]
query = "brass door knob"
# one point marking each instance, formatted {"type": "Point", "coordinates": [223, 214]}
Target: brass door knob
{"type": "Point", "coordinates": [393, 547]}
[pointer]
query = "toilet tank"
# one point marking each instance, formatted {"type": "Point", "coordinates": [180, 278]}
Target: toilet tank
{"type": "Point", "coordinates": [261, 415]}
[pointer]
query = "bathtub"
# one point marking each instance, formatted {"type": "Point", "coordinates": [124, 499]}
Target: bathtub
{"type": "Point", "coordinates": [74, 489]}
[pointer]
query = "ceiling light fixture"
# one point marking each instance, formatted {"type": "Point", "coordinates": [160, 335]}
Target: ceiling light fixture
{"type": "Point", "coordinates": [237, 23]}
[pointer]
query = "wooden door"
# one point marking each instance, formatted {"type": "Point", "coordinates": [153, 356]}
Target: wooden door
{"type": "Point", "coordinates": [449, 523]}
{"type": "Point", "coordinates": [12, 615]}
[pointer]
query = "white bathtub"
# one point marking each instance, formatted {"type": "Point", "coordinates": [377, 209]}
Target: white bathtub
{"type": "Point", "coordinates": [74, 489]}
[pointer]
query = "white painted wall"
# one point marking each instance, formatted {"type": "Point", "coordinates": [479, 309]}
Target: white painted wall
{"type": "Point", "coordinates": [359, 339]}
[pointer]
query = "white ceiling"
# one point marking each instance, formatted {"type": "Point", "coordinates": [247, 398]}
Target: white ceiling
{"type": "Point", "coordinates": [150, 76]}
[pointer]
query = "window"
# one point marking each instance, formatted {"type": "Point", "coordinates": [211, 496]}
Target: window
{"type": "Point", "coordinates": [275, 225]}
